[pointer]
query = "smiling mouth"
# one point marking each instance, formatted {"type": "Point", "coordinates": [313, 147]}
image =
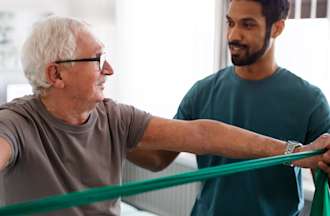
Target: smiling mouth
{"type": "Point", "coordinates": [233, 47]}
{"type": "Point", "coordinates": [235, 50]}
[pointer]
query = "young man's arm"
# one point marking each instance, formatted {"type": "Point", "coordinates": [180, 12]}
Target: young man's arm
{"type": "Point", "coordinates": [5, 153]}
{"type": "Point", "coordinates": [213, 137]}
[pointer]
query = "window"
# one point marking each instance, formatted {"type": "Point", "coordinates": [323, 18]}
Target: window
{"type": "Point", "coordinates": [308, 9]}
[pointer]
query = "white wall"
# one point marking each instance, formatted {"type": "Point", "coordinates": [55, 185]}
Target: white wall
{"type": "Point", "coordinates": [163, 47]}
{"type": "Point", "coordinates": [303, 48]}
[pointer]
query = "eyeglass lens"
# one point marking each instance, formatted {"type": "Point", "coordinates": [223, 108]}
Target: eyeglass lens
{"type": "Point", "coordinates": [103, 59]}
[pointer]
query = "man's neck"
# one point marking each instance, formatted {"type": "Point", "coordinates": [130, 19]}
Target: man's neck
{"type": "Point", "coordinates": [255, 71]}
{"type": "Point", "coordinates": [66, 110]}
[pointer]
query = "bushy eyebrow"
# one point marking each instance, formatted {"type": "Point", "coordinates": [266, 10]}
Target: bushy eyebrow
{"type": "Point", "coordinates": [247, 19]}
{"type": "Point", "coordinates": [99, 51]}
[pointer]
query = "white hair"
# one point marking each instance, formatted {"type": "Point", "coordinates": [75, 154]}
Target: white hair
{"type": "Point", "coordinates": [51, 39]}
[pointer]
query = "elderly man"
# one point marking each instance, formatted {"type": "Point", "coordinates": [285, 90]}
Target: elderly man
{"type": "Point", "coordinates": [68, 137]}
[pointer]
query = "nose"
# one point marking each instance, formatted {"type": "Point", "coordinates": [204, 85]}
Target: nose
{"type": "Point", "coordinates": [234, 34]}
{"type": "Point", "coordinates": [107, 69]}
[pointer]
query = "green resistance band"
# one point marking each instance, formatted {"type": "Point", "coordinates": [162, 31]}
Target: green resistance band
{"type": "Point", "coordinates": [88, 196]}
{"type": "Point", "coordinates": [321, 200]}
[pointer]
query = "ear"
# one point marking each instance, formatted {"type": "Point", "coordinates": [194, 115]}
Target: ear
{"type": "Point", "coordinates": [53, 76]}
{"type": "Point", "coordinates": [277, 28]}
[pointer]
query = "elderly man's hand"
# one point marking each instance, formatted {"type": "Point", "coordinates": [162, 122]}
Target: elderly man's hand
{"type": "Point", "coordinates": [321, 161]}
{"type": "Point", "coordinates": [324, 163]}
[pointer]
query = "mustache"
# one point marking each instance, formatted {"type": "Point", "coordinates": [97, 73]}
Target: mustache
{"type": "Point", "coordinates": [237, 44]}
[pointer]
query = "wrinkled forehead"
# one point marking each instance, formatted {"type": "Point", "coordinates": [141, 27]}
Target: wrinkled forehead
{"type": "Point", "coordinates": [88, 43]}
{"type": "Point", "coordinates": [245, 9]}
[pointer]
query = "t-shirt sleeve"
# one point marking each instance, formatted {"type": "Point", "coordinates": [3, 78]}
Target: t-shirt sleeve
{"type": "Point", "coordinates": [186, 107]}
{"type": "Point", "coordinates": [319, 121]}
{"type": "Point", "coordinates": [130, 123]}
{"type": "Point", "coordinates": [137, 121]}
{"type": "Point", "coordinates": [9, 131]}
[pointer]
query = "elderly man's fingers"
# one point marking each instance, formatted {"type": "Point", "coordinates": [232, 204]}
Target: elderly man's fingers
{"type": "Point", "coordinates": [326, 157]}
{"type": "Point", "coordinates": [325, 167]}
{"type": "Point", "coordinates": [321, 142]}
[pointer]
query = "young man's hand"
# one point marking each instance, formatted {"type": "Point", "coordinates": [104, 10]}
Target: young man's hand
{"type": "Point", "coordinates": [322, 161]}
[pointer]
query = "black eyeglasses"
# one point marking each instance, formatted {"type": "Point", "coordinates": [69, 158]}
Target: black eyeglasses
{"type": "Point", "coordinates": [101, 59]}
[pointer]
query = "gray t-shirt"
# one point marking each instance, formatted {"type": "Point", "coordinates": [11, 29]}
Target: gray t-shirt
{"type": "Point", "coordinates": [51, 157]}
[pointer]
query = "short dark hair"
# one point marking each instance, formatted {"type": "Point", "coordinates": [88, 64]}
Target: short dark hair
{"type": "Point", "coordinates": [274, 10]}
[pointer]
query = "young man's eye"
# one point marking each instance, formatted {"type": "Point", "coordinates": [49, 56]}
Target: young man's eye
{"type": "Point", "coordinates": [248, 25]}
{"type": "Point", "coordinates": [230, 23]}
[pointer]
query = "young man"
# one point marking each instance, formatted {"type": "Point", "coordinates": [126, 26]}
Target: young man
{"type": "Point", "coordinates": [258, 95]}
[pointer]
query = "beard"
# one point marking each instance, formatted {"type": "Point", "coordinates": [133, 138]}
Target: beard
{"type": "Point", "coordinates": [250, 57]}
